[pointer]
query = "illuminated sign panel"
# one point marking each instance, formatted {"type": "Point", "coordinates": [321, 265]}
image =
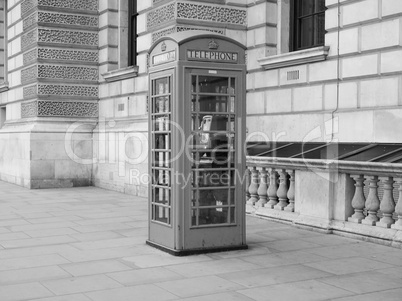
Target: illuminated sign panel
{"type": "Point", "coordinates": [164, 57]}
{"type": "Point", "coordinates": [216, 56]}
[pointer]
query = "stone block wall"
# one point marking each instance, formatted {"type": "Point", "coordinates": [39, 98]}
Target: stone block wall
{"type": "Point", "coordinates": [120, 139]}
{"type": "Point", "coordinates": [348, 96]}
{"type": "Point", "coordinates": [52, 97]}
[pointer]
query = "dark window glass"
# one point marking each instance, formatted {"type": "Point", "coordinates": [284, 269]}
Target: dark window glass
{"type": "Point", "coordinates": [308, 24]}
{"type": "Point", "coordinates": [132, 32]}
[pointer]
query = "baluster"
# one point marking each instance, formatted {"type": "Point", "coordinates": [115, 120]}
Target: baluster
{"type": "Point", "coordinates": [372, 202]}
{"type": "Point", "coordinates": [398, 208]}
{"type": "Point", "coordinates": [253, 189]}
{"type": "Point", "coordinates": [358, 200]}
{"type": "Point", "coordinates": [282, 190]}
{"type": "Point", "coordinates": [272, 189]}
{"type": "Point", "coordinates": [291, 191]}
{"type": "Point", "coordinates": [387, 205]}
{"type": "Point", "coordinates": [247, 184]}
{"type": "Point", "coordinates": [262, 188]}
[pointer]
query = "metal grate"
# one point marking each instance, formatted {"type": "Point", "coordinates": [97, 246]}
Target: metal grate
{"type": "Point", "coordinates": [293, 75]}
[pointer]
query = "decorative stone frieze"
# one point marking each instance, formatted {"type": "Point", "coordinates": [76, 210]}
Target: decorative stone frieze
{"type": "Point", "coordinates": [67, 109]}
{"type": "Point", "coordinates": [45, 108]}
{"type": "Point", "coordinates": [59, 72]}
{"type": "Point", "coordinates": [27, 5]}
{"type": "Point", "coordinates": [60, 90]}
{"type": "Point", "coordinates": [28, 39]}
{"type": "Point", "coordinates": [158, 34]}
{"type": "Point", "coordinates": [161, 15]}
{"type": "Point", "coordinates": [213, 13]}
{"type": "Point", "coordinates": [68, 55]}
{"type": "Point", "coordinates": [67, 37]}
{"type": "Point", "coordinates": [196, 12]}
{"type": "Point", "coordinates": [60, 19]}
{"type": "Point", "coordinates": [185, 28]}
{"type": "Point", "coordinates": [29, 109]}
{"type": "Point", "coordinates": [66, 19]}
{"type": "Point", "coordinates": [86, 5]}
{"type": "Point", "coordinates": [162, 33]}
{"type": "Point", "coordinates": [29, 21]}
{"type": "Point", "coordinates": [29, 92]}
{"type": "Point", "coordinates": [29, 75]}
{"type": "Point", "coordinates": [67, 90]}
{"type": "Point", "coordinates": [30, 56]}
{"type": "Point", "coordinates": [60, 55]}
{"type": "Point", "coordinates": [71, 4]}
{"type": "Point", "coordinates": [68, 72]}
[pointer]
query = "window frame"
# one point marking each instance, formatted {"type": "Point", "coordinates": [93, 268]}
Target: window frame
{"type": "Point", "coordinates": [132, 32]}
{"type": "Point", "coordinates": [3, 115]}
{"type": "Point", "coordinates": [295, 38]}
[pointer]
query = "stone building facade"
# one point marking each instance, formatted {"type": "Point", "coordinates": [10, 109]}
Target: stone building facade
{"type": "Point", "coordinates": [74, 105]}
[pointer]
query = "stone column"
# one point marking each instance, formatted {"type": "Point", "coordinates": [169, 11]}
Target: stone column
{"type": "Point", "coordinates": [59, 47]}
{"type": "Point", "coordinates": [372, 202]}
{"type": "Point", "coordinates": [253, 189]}
{"type": "Point", "coordinates": [282, 190]}
{"type": "Point", "coordinates": [387, 205]}
{"type": "Point", "coordinates": [398, 207]}
{"type": "Point", "coordinates": [358, 200]}
{"type": "Point", "coordinates": [262, 188]}
{"type": "Point", "coordinates": [273, 188]}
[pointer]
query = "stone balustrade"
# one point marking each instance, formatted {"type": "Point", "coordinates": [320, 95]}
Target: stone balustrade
{"type": "Point", "coordinates": [355, 199]}
{"type": "Point", "coordinates": [385, 212]}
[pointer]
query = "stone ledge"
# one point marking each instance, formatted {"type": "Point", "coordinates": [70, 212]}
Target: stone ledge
{"type": "Point", "coordinates": [3, 87]}
{"type": "Point", "coordinates": [121, 74]}
{"type": "Point", "coordinates": [305, 56]}
{"type": "Point", "coordinates": [276, 214]}
{"type": "Point", "coordinates": [389, 237]}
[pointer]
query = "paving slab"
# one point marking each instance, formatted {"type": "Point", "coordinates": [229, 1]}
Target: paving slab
{"type": "Point", "coordinates": [88, 244]}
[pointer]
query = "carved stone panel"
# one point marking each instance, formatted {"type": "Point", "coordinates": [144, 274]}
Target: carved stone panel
{"type": "Point", "coordinates": [51, 108]}
{"type": "Point", "coordinates": [68, 19]}
{"type": "Point", "coordinates": [67, 109]}
{"type": "Point", "coordinates": [67, 90]}
{"type": "Point", "coordinates": [27, 5]}
{"type": "Point", "coordinates": [68, 72]}
{"type": "Point", "coordinates": [67, 37]}
{"type": "Point", "coordinates": [29, 74]}
{"type": "Point", "coordinates": [196, 12]}
{"type": "Point", "coordinates": [30, 56]}
{"type": "Point", "coordinates": [68, 55]}
{"type": "Point", "coordinates": [162, 33]}
{"type": "Point", "coordinates": [185, 28]}
{"type": "Point", "coordinates": [158, 34]}
{"type": "Point", "coordinates": [88, 5]}
{"type": "Point", "coordinates": [29, 109]}
{"type": "Point", "coordinates": [72, 4]}
{"type": "Point", "coordinates": [60, 19]}
{"type": "Point", "coordinates": [161, 15]}
{"type": "Point", "coordinates": [29, 21]}
{"type": "Point", "coordinates": [28, 39]}
{"type": "Point", "coordinates": [213, 13]}
{"type": "Point", "coordinates": [30, 92]}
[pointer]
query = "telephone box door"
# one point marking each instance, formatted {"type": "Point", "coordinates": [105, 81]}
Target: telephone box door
{"type": "Point", "coordinates": [216, 197]}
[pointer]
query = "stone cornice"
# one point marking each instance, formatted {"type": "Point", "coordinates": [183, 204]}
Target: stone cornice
{"type": "Point", "coordinates": [121, 74]}
{"type": "Point", "coordinates": [350, 167]}
{"type": "Point", "coordinates": [305, 56]}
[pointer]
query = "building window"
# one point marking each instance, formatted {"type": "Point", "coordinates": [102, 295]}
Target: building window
{"type": "Point", "coordinates": [2, 40]}
{"type": "Point", "coordinates": [2, 116]}
{"type": "Point", "coordinates": [307, 24]}
{"type": "Point", "coordinates": [132, 32]}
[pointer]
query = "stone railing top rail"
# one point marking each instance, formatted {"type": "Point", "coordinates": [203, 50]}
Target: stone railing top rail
{"type": "Point", "coordinates": [350, 167]}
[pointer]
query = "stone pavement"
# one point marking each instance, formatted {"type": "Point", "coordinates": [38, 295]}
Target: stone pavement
{"type": "Point", "coordinates": [84, 244]}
